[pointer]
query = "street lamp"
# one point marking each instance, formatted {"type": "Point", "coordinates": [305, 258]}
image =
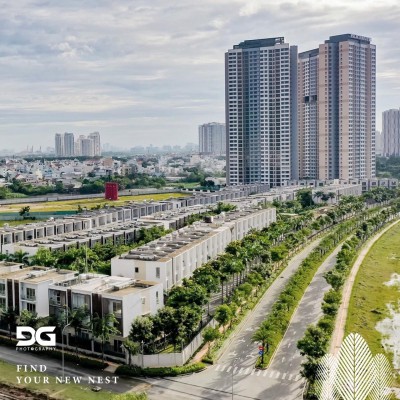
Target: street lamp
{"type": "Point", "coordinates": [142, 343]}
{"type": "Point", "coordinates": [62, 350]}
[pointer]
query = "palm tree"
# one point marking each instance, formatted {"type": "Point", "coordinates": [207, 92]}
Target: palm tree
{"type": "Point", "coordinates": [103, 328]}
{"type": "Point", "coordinates": [28, 318]}
{"type": "Point", "coordinates": [21, 257]}
{"type": "Point", "coordinates": [262, 335]}
{"type": "Point", "coordinates": [78, 320]}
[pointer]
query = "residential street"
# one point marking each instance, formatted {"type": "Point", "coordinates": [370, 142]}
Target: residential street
{"type": "Point", "coordinates": [235, 368]}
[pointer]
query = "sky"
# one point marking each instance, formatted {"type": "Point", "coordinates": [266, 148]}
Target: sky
{"type": "Point", "coordinates": [149, 72]}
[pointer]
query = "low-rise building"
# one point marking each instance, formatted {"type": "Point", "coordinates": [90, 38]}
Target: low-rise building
{"type": "Point", "coordinates": [175, 256]}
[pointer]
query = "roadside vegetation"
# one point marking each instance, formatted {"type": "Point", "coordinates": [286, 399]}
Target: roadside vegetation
{"type": "Point", "coordinates": [315, 343]}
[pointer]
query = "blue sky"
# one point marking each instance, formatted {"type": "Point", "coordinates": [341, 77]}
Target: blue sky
{"type": "Point", "coordinates": [142, 72]}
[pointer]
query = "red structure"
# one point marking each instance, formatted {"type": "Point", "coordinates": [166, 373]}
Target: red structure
{"type": "Point", "coordinates": [111, 191]}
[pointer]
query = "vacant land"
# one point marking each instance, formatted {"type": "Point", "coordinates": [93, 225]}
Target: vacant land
{"type": "Point", "coordinates": [72, 205]}
{"type": "Point", "coordinates": [370, 295]}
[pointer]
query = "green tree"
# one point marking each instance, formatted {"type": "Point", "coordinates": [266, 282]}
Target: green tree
{"type": "Point", "coordinates": [132, 348]}
{"type": "Point", "coordinates": [78, 320]}
{"type": "Point", "coordinates": [27, 318]}
{"type": "Point", "coordinates": [44, 257]}
{"type": "Point", "coordinates": [21, 257]}
{"type": "Point", "coordinates": [10, 317]}
{"type": "Point", "coordinates": [142, 330]}
{"type": "Point", "coordinates": [262, 335]}
{"type": "Point", "coordinates": [223, 314]}
{"type": "Point", "coordinates": [103, 328]}
{"type": "Point", "coordinates": [209, 335]}
{"type": "Point", "coordinates": [24, 211]}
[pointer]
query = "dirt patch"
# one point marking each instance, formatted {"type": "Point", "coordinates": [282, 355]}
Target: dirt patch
{"type": "Point", "coordinates": [10, 392]}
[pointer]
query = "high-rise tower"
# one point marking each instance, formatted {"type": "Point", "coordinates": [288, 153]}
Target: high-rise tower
{"type": "Point", "coordinates": [259, 92]}
{"type": "Point", "coordinates": [346, 108]}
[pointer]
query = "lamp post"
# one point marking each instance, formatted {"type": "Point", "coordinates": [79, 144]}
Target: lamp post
{"type": "Point", "coordinates": [142, 343]}
{"type": "Point", "coordinates": [62, 350]}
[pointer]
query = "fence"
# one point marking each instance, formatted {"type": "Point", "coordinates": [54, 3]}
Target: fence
{"type": "Point", "coordinates": [61, 197]}
{"type": "Point", "coordinates": [172, 359]}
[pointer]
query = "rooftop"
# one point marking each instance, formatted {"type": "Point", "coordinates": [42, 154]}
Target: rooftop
{"type": "Point", "coordinates": [255, 43]}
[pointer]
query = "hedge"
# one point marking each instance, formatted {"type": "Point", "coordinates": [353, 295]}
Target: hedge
{"type": "Point", "coordinates": [133, 371]}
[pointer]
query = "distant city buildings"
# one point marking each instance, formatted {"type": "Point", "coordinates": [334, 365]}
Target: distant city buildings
{"type": "Point", "coordinates": [379, 143]}
{"type": "Point", "coordinates": [293, 116]}
{"type": "Point", "coordinates": [212, 139]}
{"type": "Point", "coordinates": [391, 132]}
{"type": "Point", "coordinates": [66, 146]}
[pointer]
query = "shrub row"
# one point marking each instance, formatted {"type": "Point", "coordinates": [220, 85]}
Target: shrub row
{"type": "Point", "coordinates": [133, 371]}
{"type": "Point", "coordinates": [279, 318]}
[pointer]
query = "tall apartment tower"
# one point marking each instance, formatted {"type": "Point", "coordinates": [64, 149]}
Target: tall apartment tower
{"type": "Point", "coordinates": [346, 107]}
{"type": "Point", "coordinates": [259, 122]}
{"type": "Point", "coordinates": [69, 144]}
{"type": "Point", "coordinates": [59, 144]}
{"type": "Point", "coordinates": [95, 136]}
{"type": "Point", "coordinates": [391, 132]}
{"type": "Point", "coordinates": [307, 103]}
{"type": "Point", "coordinates": [212, 139]}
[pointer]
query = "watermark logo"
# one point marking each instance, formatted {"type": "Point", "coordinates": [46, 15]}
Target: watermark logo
{"type": "Point", "coordinates": [42, 336]}
{"type": "Point", "coordinates": [354, 374]}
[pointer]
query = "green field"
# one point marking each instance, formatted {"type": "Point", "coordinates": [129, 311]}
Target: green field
{"type": "Point", "coordinates": [370, 296]}
{"type": "Point", "coordinates": [72, 205]}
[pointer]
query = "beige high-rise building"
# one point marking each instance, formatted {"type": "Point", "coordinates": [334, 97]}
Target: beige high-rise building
{"type": "Point", "coordinates": [346, 108]}
{"type": "Point", "coordinates": [95, 136]}
{"type": "Point", "coordinates": [336, 109]}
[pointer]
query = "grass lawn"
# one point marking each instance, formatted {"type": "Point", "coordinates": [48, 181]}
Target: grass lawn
{"type": "Point", "coordinates": [72, 205]}
{"type": "Point", "coordinates": [19, 222]}
{"type": "Point", "coordinates": [56, 390]}
{"type": "Point", "coordinates": [369, 298]}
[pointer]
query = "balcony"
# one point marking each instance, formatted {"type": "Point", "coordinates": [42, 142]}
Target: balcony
{"type": "Point", "coordinates": [55, 302]}
{"type": "Point", "coordinates": [28, 298]}
{"type": "Point", "coordinates": [2, 293]}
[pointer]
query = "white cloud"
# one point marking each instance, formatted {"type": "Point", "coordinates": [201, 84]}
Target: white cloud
{"type": "Point", "coordinates": [142, 73]}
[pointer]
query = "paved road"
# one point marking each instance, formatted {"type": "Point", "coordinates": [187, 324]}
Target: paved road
{"type": "Point", "coordinates": [237, 362]}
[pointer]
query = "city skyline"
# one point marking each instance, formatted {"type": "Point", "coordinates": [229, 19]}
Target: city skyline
{"type": "Point", "coordinates": [145, 74]}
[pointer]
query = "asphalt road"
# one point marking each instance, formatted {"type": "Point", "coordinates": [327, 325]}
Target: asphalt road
{"type": "Point", "coordinates": [235, 367]}
{"type": "Point", "coordinates": [234, 371]}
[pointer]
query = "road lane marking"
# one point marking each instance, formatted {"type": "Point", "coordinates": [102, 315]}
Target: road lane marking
{"type": "Point", "coordinates": [290, 377]}
{"type": "Point", "coordinates": [277, 375]}
{"type": "Point", "coordinates": [246, 371]}
{"type": "Point", "coordinates": [265, 372]}
{"type": "Point", "coordinates": [234, 370]}
{"type": "Point", "coordinates": [259, 372]}
{"type": "Point", "coordinates": [284, 375]}
{"type": "Point", "coordinates": [223, 367]}
{"type": "Point", "coordinates": [298, 377]}
{"type": "Point", "coordinates": [252, 372]}
{"type": "Point", "coordinates": [271, 374]}
{"type": "Point", "coordinates": [229, 368]}
{"type": "Point", "coordinates": [218, 367]}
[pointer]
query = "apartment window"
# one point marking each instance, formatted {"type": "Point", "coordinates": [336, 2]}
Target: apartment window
{"type": "Point", "coordinates": [2, 304]}
{"type": "Point", "coordinates": [2, 289]}
{"type": "Point", "coordinates": [31, 307]}
{"type": "Point", "coordinates": [136, 269]}
{"type": "Point", "coordinates": [157, 298]}
{"type": "Point", "coordinates": [30, 294]}
{"type": "Point", "coordinates": [143, 300]}
{"type": "Point", "coordinates": [157, 272]}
